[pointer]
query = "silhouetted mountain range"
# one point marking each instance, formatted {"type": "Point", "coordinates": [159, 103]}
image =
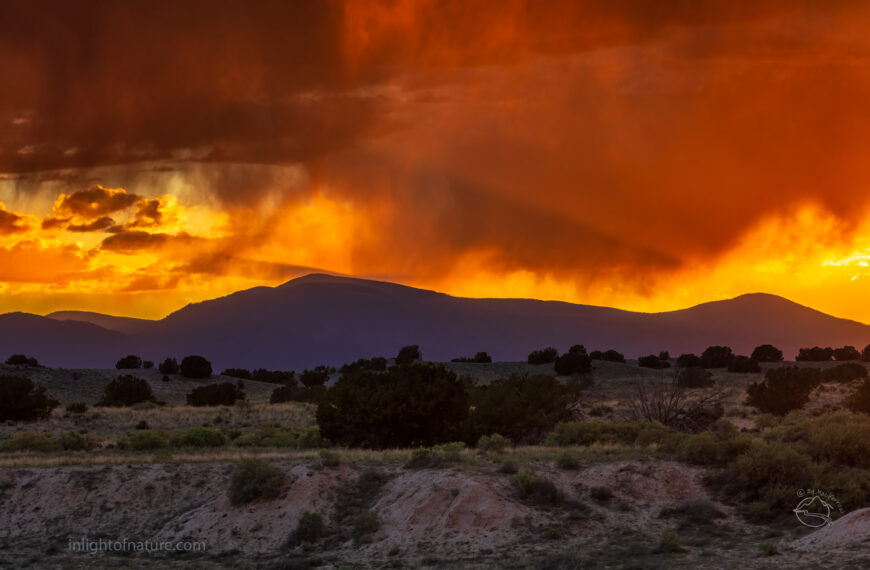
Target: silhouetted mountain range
{"type": "Point", "coordinates": [322, 319]}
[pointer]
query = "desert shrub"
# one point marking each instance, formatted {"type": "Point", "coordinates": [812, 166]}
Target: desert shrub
{"type": "Point", "coordinates": [21, 360]}
{"type": "Point", "coordinates": [766, 353]}
{"type": "Point", "coordinates": [77, 441]}
{"type": "Point", "coordinates": [126, 390]}
{"type": "Point", "coordinates": [142, 424]}
{"type": "Point", "coordinates": [492, 443]}
{"type": "Point", "coordinates": [846, 353]}
{"type": "Point", "coordinates": [237, 373]}
{"type": "Point", "coordinates": [522, 408]}
{"type": "Point", "coordinates": [612, 432]}
{"type": "Point", "coordinates": [575, 361]}
{"type": "Point", "coordinates": [77, 408]}
{"type": "Point", "coordinates": [766, 475]}
{"type": "Point", "coordinates": [283, 394]}
{"type": "Point", "coordinates": [844, 372]}
{"type": "Point", "coordinates": [376, 364]}
{"type": "Point", "coordinates": [670, 543]}
{"type": "Point", "coordinates": [438, 456]}
{"type": "Point", "coordinates": [815, 354]}
{"type": "Point", "coordinates": [310, 438]}
{"type": "Point", "coordinates": [688, 360]}
{"type": "Point", "coordinates": [310, 528]}
{"type": "Point", "coordinates": [148, 364]}
{"type": "Point", "coordinates": [543, 356]}
{"type": "Point", "coordinates": [195, 366]}
{"type": "Point", "coordinates": [479, 358]}
{"type": "Point", "coordinates": [129, 362]}
{"type": "Point", "coordinates": [601, 494]}
{"type": "Point", "coordinates": [652, 361]}
{"type": "Point", "coordinates": [329, 458]}
{"type": "Point", "coordinates": [535, 489]}
{"type": "Point", "coordinates": [221, 394]}
{"type": "Point", "coordinates": [406, 406]}
{"type": "Point", "coordinates": [566, 459]}
{"type": "Point", "coordinates": [29, 441]}
{"type": "Point", "coordinates": [146, 440]}
{"type": "Point", "coordinates": [22, 400]}
{"type": "Point", "coordinates": [865, 354]}
{"type": "Point", "coordinates": [409, 354]}
{"type": "Point", "coordinates": [694, 511]}
{"type": "Point", "coordinates": [694, 377]}
{"type": "Point", "coordinates": [783, 389]}
{"type": "Point", "coordinates": [663, 400]}
{"type": "Point", "coordinates": [508, 466]}
{"type": "Point", "coordinates": [255, 479]}
{"type": "Point", "coordinates": [743, 365]}
{"type": "Point", "coordinates": [859, 401]}
{"type": "Point", "coordinates": [609, 355]}
{"type": "Point", "coordinates": [198, 436]}
{"type": "Point", "coordinates": [716, 357]}
{"type": "Point", "coordinates": [708, 448]}
{"type": "Point", "coordinates": [287, 377]}
{"type": "Point", "coordinates": [316, 377]}
{"type": "Point", "coordinates": [168, 366]}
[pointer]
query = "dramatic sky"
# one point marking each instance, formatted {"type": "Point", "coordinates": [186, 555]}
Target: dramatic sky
{"type": "Point", "coordinates": [640, 154]}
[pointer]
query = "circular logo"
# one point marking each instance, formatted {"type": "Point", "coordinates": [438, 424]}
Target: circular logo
{"type": "Point", "coordinates": [813, 512]}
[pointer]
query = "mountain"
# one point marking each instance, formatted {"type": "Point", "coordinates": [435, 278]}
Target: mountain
{"type": "Point", "coordinates": [120, 324]}
{"type": "Point", "coordinates": [322, 319]}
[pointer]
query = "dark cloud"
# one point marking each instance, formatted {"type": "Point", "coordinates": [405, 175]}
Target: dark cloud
{"type": "Point", "coordinates": [11, 223]}
{"type": "Point", "coordinates": [101, 224]}
{"type": "Point", "coordinates": [130, 242]}
{"type": "Point", "coordinates": [94, 202]}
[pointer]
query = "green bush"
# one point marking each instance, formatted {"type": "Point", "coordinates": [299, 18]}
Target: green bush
{"type": "Point", "coordinates": [492, 443]}
{"type": "Point", "coordinates": [126, 390]}
{"type": "Point", "coordinates": [329, 458]}
{"type": "Point", "coordinates": [168, 366]}
{"type": "Point", "coordinates": [406, 406]}
{"type": "Point", "coordinates": [707, 448]}
{"type": "Point", "coordinates": [77, 408]}
{"type": "Point", "coordinates": [198, 436]}
{"type": "Point", "coordinates": [845, 372]}
{"type": "Point", "coordinates": [195, 366]}
{"type": "Point", "coordinates": [670, 543]}
{"type": "Point", "coordinates": [567, 460]}
{"type": "Point", "coordinates": [439, 456]}
{"type": "Point", "coordinates": [309, 529]}
{"type": "Point", "coordinates": [29, 441]}
{"type": "Point", "coordinates": [145, 440]}
{"type": "Point", "coordinates": [310, 438]}
{"type": "Point", "coordinates": [77, 441]}
{"type": "Point", "coordinates": [129, 362]}
{"type": "Point", "coordinates": [22, 400]}
{"type": "Point", "coordinates": [535, 489]}
{"type": "Point", "coordinates": [255, 479]}
{"type": "Point", "coordinates": [543, 356]}
{"type": "Point", "coordinates": [221, 394]}
{"type": "Point", "coordinates": [694, 377]}
{"type": "Point", "coordinates": [783, 389]}
{"type": "Point", "coordinates": [694, 512]}
{"type": "Point", "coordinates": [859, 401]}
{"type": "Point", "coordinates": [612, 432]}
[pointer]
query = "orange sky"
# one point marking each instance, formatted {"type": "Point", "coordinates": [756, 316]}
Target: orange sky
{"type": "Point", "coordinates": [647, 156]}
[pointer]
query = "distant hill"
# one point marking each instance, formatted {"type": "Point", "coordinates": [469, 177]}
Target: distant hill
{"type": "Point", "coordinates": [321, 319]}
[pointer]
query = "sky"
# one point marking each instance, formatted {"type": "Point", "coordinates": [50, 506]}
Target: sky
{"type": "Point", "coordinates": [636, 154]}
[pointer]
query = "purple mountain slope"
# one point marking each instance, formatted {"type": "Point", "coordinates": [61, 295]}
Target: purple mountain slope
{"type": "Point", "coordinates": [321, 319]}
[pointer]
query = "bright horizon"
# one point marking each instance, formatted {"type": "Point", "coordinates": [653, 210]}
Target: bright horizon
{"type": "Point", "coordinates": [584, 152]}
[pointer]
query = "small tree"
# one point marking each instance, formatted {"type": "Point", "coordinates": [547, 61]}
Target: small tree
{"type": "Point", "coordinates": [129, 362]}
{"type": "Point", "coordinates": [237, 373]}
{"type": "Point", "coordinates": [21, 360]}
{"type": "Point", "coordinates": [860, 400]}
{"type": "Point", "coordinates": [195, 367]}
{"type": "Point", "coordinates": [316, 377]}
{"type": "Point", "coordinates": [652, 361]}
{"type": "Point", "coordinates": [845, 372]}
{"type": "Point", "coordinates": [694, 377]}
{"type": "Point", "coordinates": [687, 360]}
{"type": "Point", "coordinates": [126, 390]}
{"type": "Point", "coordinates": [575, 361]}
{"type": "Point", "coordinates": [543, 356]}
{"type": "Point", "coordinates": [479, 358]}
{"type": "Point", "coordinates": [22, 400]}
{"type": "Point", "coordinates": [766, 353]}
{"type": "Point", "coordinates": [663, 400]}
{"type": "Point", "coordinates": [865, 354]}
{"type": "Point", "coordinates": [815, 354]}
{"type": "Point", "coordinates": [168, 366]}
{"type": "Point", "coordinates": [783, 389]}
{"type": "Point", "coordinates": [716, 357]}
{"type": "Point", "coordinates": [223, 394]}
{"type": "Point", "coordinates": [846, 353]}
{"type": "Point", "coordinates": [255, 479]}
{"type": "Point", "coordinates": [743, 365]}
{"type": "Point", "coordinates": [409, 354]}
